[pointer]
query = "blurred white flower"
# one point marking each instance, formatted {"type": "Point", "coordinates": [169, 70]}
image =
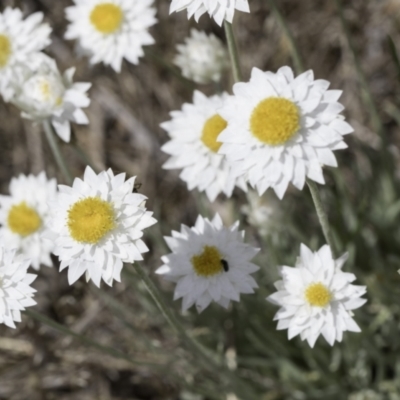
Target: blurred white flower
{"type": "Point", "coordinates": [24, 216]}
{"type": "Point", "coordinates": [15, 291]}
{"type": "Point", "coordinates": [220, 10]}
{"type": "Point", "coordinates": [209, 262]}
{"type": "Point", "coordinates": [193, 146]}
{"type": "Point", "coordinates": [20, 42]}
{"type": "Point", "coordinates": [286, 130]}
{"type": "Point", "coordinates": [366, 394]}
{"type": "Point", "coordinates": [44, 93]}
{"type": "Point", "coordinates": [317, 297]}
{"type": "Point", "coordinates": [202, 58]}
{"type": "Point", "coordinates": [261, 212]}
{"type": "Point", "coordinates": [110, 30]}
{"type": "Point", "coordinates": [98, 225]}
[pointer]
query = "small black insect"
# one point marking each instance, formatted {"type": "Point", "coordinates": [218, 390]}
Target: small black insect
{"type": "Point", "coordinates": [225, 265]}
{"type": "Point", "coordinates": [136, 187]}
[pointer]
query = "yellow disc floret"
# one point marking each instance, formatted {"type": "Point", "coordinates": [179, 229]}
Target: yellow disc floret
{"type": "Point", "coordinates": [23, 220]}
{"type": "Point", "coordinates": [90, 219]}
{"type": "Point", "coordinates": [208, 263]}
{"type": "Point", "coordinates": [5, 50]}
{"type": "Point", "coordinates": [211, 130]}
{"type": "Point", "coordinates": [106, 17]}
{"type": "Point", "coordinates": [318, 295]}
{"type": "Point", "coordinates": [275, 120]}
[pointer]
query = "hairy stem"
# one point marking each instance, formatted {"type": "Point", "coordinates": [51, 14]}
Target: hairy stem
{"type": "Point", "coordinates": [298, 61]}
{"type": "Point", "coordinates": [233, 52]}
{"type": "Point", "coordinates": [52, 140]}
{"type": "Point", "coordinates": [323, 218]}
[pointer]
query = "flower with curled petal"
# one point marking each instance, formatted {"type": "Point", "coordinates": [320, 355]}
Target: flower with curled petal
{"type": "Point", "coordinates": [43, 93]}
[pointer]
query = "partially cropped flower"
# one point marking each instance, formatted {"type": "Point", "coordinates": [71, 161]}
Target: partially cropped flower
{"type": "Point", "coordinates": [24, 216]}
{"type": "Point", "coordinates": [110, 30]}
{"type": "Point", "coordinates": [282, 129]}
{"type": "Point", "coordinates": [220, 10]}
{"type": "Point", "coordinates": [317, 298]}
{"type": "Point", "coordinates": [98, 225]}
{"type": "Point", "coordinates": [194, 146]}
{"type": "Point", "coordinates": [44, 93]}
{"type": "Point", "coordinates": [202, 58]}
{"type": "Point", "coordinates": [209, 262]}
{"type": "Point", "coordinates": [20, 42]}
{"type": "Point", "coordinates": [15, 291]}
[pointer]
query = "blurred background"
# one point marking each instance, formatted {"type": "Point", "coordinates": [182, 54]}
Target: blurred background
{"type": "Point", "coordinates": [362, 197]}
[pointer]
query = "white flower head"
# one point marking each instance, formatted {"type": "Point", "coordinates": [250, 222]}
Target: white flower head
{"type": "Point", "coordinates": [282, 129]}
{"type": "Point", "coordinates": [25, 215]}
{"type": "Point", "coordinates": [194, 146]}
{"type": "Point", "coordinates": [15, 291]}
{"type": "Point", "coordinates": [44, 93]}
{"type": "Point", "coordinates": [317, 298]}
{"type": "Point", "coordinates": [20, 42]}
{"type": "Point", "coordinates": [98, 225]}
{"type": "Point", "coordinates": [220, 10]}
{"type": "Point", "coordinates": [110, 30]}
{"type": "Point", "coordinates": [202, 58]}
{"type": "Point", "coordinates": [209, 262]}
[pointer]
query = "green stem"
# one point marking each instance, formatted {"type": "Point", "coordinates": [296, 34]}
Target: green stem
{"type": "Point", "coordinates": [322, 216]}
{"type": "Point", "coordinates": [233, 51]}
{"type": "Point", "coordinates": [210, 362]}
{"type": "Point", "coordinates": [368, 98]}
{"type": "Point", "coordinates": [315, 194]}
{"type": "Point", "coordinates": [172, 320]}
{"type": "Point", "coordinates": [298, 62]}
{"type": "Point", "coordinates": [104, 349]}
{"type": "Point", "coordinates": [51, 139]}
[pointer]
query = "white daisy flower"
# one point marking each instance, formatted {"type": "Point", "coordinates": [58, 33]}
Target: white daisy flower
{"type": "Point", "coordinates": [98, 225]}
{"type": "Point", "coordinates": [15, 291]}
{"type": "Point", "coordinates": [282, 129]}
{"type": "Point", "coordinates": [111, 30]}
{"type": "Point", "coordinates": [202, 58]}
{"type": "Point", "coordinates": [209, 262]}
{"type": "Point", "coordinates": [25, 215]}
{"type": "Point", "coordinates": [220, 10]}
{"type": "Point", "coordinates": [317, 297]}
{"type": "Point", "coordinates": [20, 42]}
{"type": "Point", "coordinates": [194, 146]}
{"type": "Point", "coordinates": [44, 93]}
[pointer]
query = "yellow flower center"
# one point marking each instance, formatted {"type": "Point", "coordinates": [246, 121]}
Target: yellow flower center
{"type": "Point", "coordinates": [106, 17]}
{"type": "Point", "coordinates": [208, 263]}
{"type": "Point", "coordinates": [211, 130]}
{"type": "Point", "coordinates": [5, 50]}
{"type": "Point", "coordinates": [23, 220]}
{"type": "Point", "coordinates": [318, 295]}
{"type": "Point", "coordinates": [275, 120]}
{"type": "Point", "coordinates": [90, 219]}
